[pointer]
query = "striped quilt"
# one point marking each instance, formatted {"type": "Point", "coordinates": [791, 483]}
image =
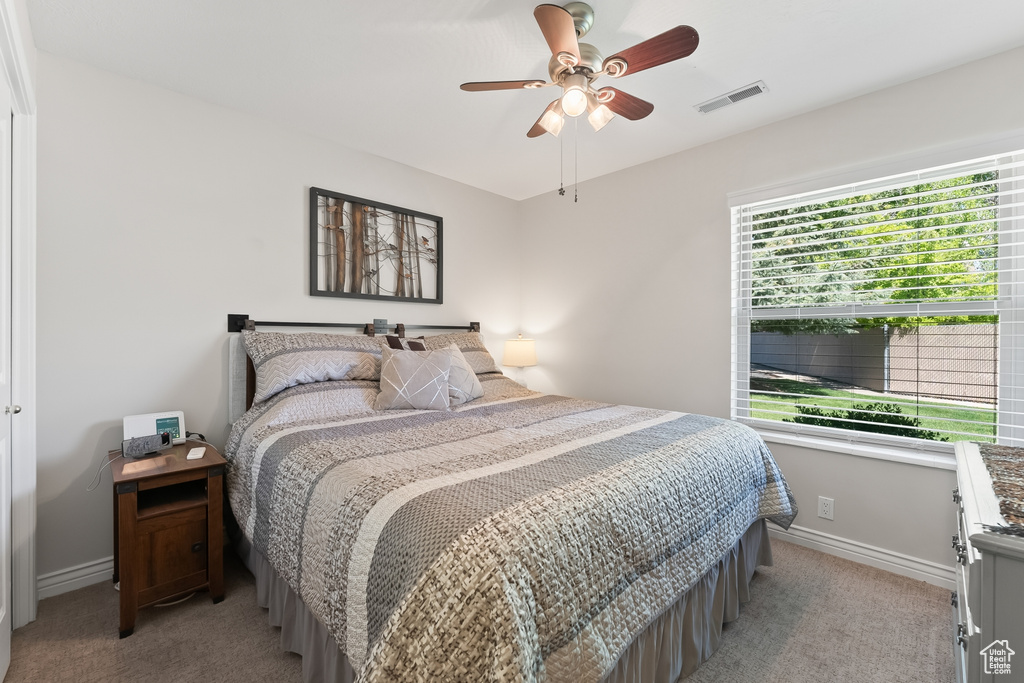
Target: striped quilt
{"type": "Point", "coordinates": [519, 537]}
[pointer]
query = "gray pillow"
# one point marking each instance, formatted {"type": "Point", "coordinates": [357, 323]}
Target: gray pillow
{"type": "Point", "coordinates": [463, 386]}
{"type": "Point", "coordinates": [471, 344]}
{"type": "Point", "coordinates": [414, 379]}
{"type": "Point", "coordinates": [284, 360]}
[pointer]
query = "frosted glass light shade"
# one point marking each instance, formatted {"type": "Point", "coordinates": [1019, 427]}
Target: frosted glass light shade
{"type": "Point", "coordinates": [551, 122]}
{"type": "Point", "coordinates": [574, 102]}
{"type": "Point", "coordinates": [520, 353]}
{"type": "Point", "coordinates": [600, 117]}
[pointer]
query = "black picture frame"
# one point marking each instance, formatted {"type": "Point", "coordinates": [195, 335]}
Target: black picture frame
{"type": "Point", "coordinates": [365, 249]}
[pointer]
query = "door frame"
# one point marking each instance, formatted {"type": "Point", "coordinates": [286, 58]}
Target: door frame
{"type": "Point", "coordinates": [17, 61]}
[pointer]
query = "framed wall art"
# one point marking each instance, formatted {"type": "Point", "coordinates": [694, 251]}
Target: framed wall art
{"type": "Point", "coordinates": [368, 250]}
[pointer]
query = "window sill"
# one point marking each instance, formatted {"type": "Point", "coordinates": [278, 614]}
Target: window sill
{"type": "Point", "coordinates": [892, 453]}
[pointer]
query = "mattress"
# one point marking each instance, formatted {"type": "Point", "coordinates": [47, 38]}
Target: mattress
{"type": "Point", "coordinates": [518, 537]}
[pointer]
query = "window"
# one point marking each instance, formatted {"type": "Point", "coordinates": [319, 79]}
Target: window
{"type": "Point", "coordinates": [889, 311]}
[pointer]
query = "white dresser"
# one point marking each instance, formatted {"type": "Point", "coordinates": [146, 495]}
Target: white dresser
{"type": "Point", "coordinates": [988, 605]}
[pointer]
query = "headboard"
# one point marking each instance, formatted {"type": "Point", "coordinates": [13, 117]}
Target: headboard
{"type": "Point", "coordinates": [242, 374]}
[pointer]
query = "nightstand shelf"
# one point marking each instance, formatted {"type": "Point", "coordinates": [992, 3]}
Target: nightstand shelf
{"type": "Point", "coordinates": [168, 528]}
{"type": "Point", "coordinates": [171, 498]}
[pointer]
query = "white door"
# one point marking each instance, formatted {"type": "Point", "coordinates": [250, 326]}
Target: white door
{"type": "Point", "coordinates": [10, 411]}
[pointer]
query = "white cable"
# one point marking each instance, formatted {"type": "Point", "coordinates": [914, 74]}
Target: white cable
{"type": "Point", "coordinates": [99, 473]}
{"type": "Point", "coordinates": [176, 602]}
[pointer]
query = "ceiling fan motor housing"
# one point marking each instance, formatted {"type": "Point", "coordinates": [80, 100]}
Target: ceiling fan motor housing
{"type": "Point", "coordinates": [590, 59]}
{"type": "Point", "coordinates": [582, 17]}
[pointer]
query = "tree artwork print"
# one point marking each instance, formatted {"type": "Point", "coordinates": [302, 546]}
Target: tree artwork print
{"type": "Point", "coordinates": [365, 249]}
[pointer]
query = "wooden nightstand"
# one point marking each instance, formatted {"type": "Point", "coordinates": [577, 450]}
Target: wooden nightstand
{"type": "Point", "coordinates": [168, 527]}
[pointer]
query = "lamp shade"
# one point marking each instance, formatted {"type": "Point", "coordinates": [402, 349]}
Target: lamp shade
{"type": "Point", "coordinates": [520, 353]}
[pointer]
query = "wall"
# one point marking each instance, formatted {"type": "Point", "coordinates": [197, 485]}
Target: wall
{"type": "Point", "coordinates": [630, 301]}
{"type": "Point", "coordinates": [158, 216]}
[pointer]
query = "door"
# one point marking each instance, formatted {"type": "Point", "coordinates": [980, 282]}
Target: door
{"type": "Point", "coordinates": [10, 411]}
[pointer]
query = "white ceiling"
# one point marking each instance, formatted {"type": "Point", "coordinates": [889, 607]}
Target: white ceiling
{"type": "Point", "coordinates": [383, 75]}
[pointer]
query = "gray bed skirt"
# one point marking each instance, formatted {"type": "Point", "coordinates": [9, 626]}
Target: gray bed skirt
{"type": "Point", "coordinates": [669, 649]}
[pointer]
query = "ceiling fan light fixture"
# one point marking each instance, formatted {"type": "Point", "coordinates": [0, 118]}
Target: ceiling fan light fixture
{"type": "Point", "coordinates": [552, 122]}
{"type": "Point", "coordinates": [600, 117]}
{"type": "Point", "coordinates": [574, 99]}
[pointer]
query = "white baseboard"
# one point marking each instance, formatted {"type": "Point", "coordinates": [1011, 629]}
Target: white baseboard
{"type": "Point", "coordinates": [73, 578]}
{"type": "Point", "coordinates": [897, 563]}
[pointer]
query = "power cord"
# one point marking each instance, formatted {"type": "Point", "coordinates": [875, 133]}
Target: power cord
{"type": "Point", "coordinates": [196, 436]}
{"type": "Point", "coordinates": [99, 473]}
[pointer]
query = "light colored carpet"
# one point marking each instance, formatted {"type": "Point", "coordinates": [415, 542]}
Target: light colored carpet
{"type": "Point", "coordinates": [811, 618]}
{"type": "Point", "coordinates": [75, 639]}
{"type": "Point", "coordinates": [814, 617]}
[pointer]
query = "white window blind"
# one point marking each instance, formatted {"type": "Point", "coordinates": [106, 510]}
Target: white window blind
{"type": "Point", "coordinates": [891, 310]}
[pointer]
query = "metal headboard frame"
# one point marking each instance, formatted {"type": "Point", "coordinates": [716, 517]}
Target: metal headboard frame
{"type": "Point", "coordinates": [241, 321]}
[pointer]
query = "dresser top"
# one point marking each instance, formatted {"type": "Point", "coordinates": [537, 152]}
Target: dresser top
{"type": "Point", "coordinates": [1005, 465]}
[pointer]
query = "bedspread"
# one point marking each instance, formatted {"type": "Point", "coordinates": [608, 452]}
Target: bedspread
{"type": "Point", "coordinates": [519, 537]}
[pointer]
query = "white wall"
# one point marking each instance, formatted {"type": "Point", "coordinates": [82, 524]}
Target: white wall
{"type": "Point", "coordinates": [158, 216]}
{"type": "Point", "coordinates": [628, 291]}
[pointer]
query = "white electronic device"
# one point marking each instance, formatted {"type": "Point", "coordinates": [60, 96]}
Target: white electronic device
{"type": "Point", "coordinates": [196, 453]}
{"type": "Point", "coordinates": [172, 422]}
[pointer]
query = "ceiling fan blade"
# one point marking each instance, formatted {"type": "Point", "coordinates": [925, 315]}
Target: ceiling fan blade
{"type": "Point", "coordinates": [549, 122]}
{"type": "Point", "coordinates": [558, 28]}
{"type": "Point", "coordinates": [627, 106]}
{"type": "Point", "coordinates": [669, 46]}
{"type": "Point", "coordinates": [480, 86]}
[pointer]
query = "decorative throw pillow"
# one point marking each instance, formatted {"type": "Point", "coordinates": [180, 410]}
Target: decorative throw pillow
{"type": "Point", "coordinates": [414, 379]}
{"type": "Point", "coordinates": [463, 386]}
{"type": "Point", "coordinates": [285, 360]}
{"type": "Point", "coordinates": [471, 344]}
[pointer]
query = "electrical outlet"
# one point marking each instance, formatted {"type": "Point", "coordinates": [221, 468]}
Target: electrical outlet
{"type": "Point", "coordinates": [826, 507]}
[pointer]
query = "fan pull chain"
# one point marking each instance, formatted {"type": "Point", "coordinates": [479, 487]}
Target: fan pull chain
{"type": "Point", "coordinates": [576, 160]}
{"type": "Point", "coordinates": [561, 167]}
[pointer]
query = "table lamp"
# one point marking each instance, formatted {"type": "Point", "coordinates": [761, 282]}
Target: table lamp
{"type": "Point", "coordinates": [520, 353]}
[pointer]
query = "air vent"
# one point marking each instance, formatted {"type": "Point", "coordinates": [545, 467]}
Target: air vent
{"type": "Point", "coordinates": [728, 98]}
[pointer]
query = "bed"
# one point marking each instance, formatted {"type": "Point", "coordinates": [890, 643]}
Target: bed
{"type": "Point", "coordinates": [511, 536]}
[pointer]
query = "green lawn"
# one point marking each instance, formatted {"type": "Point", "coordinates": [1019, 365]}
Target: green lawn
{"type": "Point", "coordinates": [776, 395]}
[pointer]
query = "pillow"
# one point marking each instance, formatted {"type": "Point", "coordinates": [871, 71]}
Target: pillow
{"type": "Point", "coordinates": [414, 379]}
{"type": "Point", "coordinates": [471, 344]}
{"type": "Point", "coordinates": [463, 386]}
{"type": "Point", "coordinates": [398, 344]}
{"type": "Point", "coordinates": [285, 360]}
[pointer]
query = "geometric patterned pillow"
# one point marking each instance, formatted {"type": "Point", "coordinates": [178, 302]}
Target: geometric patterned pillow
{"type": "Point", "coordinates": [285, 360]}
{"type": "Point", "coordinates": [414, 379]}
{"type": "Point", "coordinates": [463, 386]}
{"type": "Point", "coordinates": [471, 344]}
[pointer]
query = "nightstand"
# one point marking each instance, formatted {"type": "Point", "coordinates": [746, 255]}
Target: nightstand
{"type": "Point", "coordinates": [168, 527]}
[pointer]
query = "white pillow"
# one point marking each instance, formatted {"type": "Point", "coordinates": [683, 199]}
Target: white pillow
{"type": "Point", "coordinates": [414, 379]}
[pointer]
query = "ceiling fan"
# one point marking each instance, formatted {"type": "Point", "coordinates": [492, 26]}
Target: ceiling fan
{"type": "Point", "coordinates": [574, 66]}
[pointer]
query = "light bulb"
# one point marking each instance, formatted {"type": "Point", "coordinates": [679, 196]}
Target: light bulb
{"type": "Point", "coordinates": [574, 102]}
